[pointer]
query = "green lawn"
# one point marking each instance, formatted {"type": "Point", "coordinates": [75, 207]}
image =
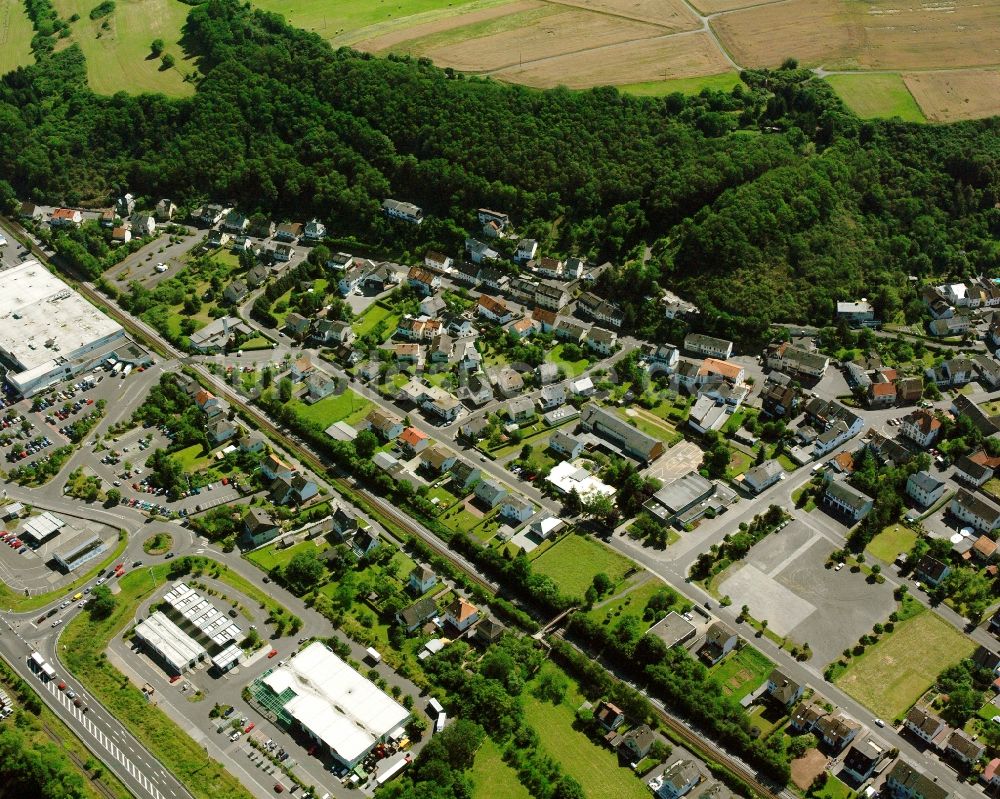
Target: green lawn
{"type": "Point", "coordinates": [494, 779]}
{"type": "Point", "coordinates": [742, 672]}
{"type": "Point", "coordinates": [15, 36]}
{"type": "Point", "coordinates": [574, 560]}
{"type": "Point", "coordinates": [272, 556]}
{"type": "Point", "coordinates": [593, 766]}
{"type": "Point", "coordinates": [367, 322]}
{"type": "Point", "coordinates": [344, 23]}
{"type": "Point", "coordinates": [629, 603]}
{"type": "Point", "coordinates": [572, 368]}
{"type": "Point", "coordinates": [893, 674]}
{"type": "Point", "coordinates": [834, 789]}
{"type": "Point", "coordinates": [190, 458]}
{"type": "Point", "coordinates": [883, 95]}
{"type": "Point", "coordinates": [118, 56]}
{"type": "Point", "coordinates": [662, 430]}
{"type": "Point", "coordinates": [347, 407]}
{"type": "Point", "coordinates": [256, 343]}
{"type": "Point", "coordinates": [660, 88]}
{"type": "Point", "coordinates": [892, 541]}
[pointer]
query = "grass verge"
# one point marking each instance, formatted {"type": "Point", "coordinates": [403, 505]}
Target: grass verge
{"type": "Point", "coordinates": [84, 642]}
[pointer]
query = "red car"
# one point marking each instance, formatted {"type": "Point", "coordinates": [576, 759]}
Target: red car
{"type": "Point", "coordinates": [249, 727]}
{"type": "Point", "coordinates": [278, 787]}
{"type": "Point", "coordinates": [62, 686]}
{"type": "Point", "coordinates": [272, 653]}
{"type": "Point", "coordinates": [175, 678]}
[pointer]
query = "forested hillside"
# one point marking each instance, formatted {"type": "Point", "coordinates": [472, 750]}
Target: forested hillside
{"type": "Point", "coordinates": [768, 203]}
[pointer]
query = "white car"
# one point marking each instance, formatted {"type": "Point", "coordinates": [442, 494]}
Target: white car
{"type": "Point", "coordinates": [235, 736]}
{"type": "Point", "coordinates": [838, 567]}
{"type": "Point", "coordinates": [879, 723]}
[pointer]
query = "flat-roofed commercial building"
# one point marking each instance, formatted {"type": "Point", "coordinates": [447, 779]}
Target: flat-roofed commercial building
{"type": "Point", "coordinates": [39, 529]}
{"type": "Point", "coordinates": [79, 552]}
{"type": "Point", "coordinates": [175, 648]}
{"type": "Point", "coordinates": [333, 703]}
{"type": "Point", "coordinates": [48, 332]}
{"type": "Point", "coordinates": [201, 614]}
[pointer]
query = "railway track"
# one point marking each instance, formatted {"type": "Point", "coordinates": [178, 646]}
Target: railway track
{"type": "Point", "coordinates": [95, 781]}
{"type": "Point", "coordinates": [696, 742]}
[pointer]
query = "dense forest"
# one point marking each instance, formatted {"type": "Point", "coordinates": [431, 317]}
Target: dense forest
{"type": "Point", "coordinates": [769, 202]}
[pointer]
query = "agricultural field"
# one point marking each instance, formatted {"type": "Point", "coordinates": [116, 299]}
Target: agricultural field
{"type": "Point", "coordinates": [887, 679]}
{"type": "Point", "coordinates": [883, 95]}
{"type": "Point", "coordinates": [15, 36]}
{"type": "Point", "coordinates": [117, 46]}
{"type": "Point", "coordinates": [951, 96]}
{"type": "Point", "coordinates": [574, 560]}
{"type": "Point", "coordinates": [723, 82]}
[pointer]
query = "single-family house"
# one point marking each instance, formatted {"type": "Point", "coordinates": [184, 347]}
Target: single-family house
{"type": "Point", "coordinates": [121, 235]}
{"type": "Point", "coordinates": [566, 444]}
{"type": "Point", "coordinates": [602, 341]}
{"type": "Point", "coordinates": [143, 225]}
{"type": "Point", "coordinates": [546, 318]}
{"type": "Point", "coordinates": [863, 758]}
{"type": "Point", "coordinates": [961, 747]}
{"type": "Point", "coordinates": [568, 330]}
{"type": "Point", "coordinates": [465, 475]}
{"type": "Point", "coordinates": [296, 489]}
{"type": "Point", "coordinates": [551, 397]}
{"type": "Point", "coordinates": [421, 580]}
{"type": "Point", "coordinates": [974, 469]}
{"type": "Point", "coordinates": [461, 614]}
{"type": "Point", "coordinates": [297, 324]}
{"type": "Point", "coordinates": [921, 427]}
{"type": "Point", "coordinates": [259, 527]}
{"type": "Point", "coordinates": [411, 618]}
{"type": "Point", "coordinates": [783, 689]}
{"type": "Point", "coordinates": [490, 493]}
{"type": "Point", "coordinates": [480, 251]}
{"type": "Point", "coordinates": [414, 441]}
{"type": "Point", "coordinates": [235, 292]}
{"type": "Point", "coordinates": [931, 570]}
{"type": "Point", "coordinates": [518, 409]}
{"type": "Point", "coordinates": [527, 249]}
{"type": "Point", "coordinates": [609, 716]}
{"type": "Point", "coordinates": [165, 210]}
{"type": "Point", "coordinates": [836, 731]}
{"type": "Point", "coordinates": [720, 640]}
{"type": "Point", "coordinates": [437, 459]}
{"type": "Point", "coordinates": [422, 280]}
{"type": "Point", "coordinates": [763, 476]}
{"type": "Point", "coordinates": [437, 261]}
{"type": "Point", "coordinates": [551, 296]}
{"type": "Point", "coordinates": [274, 467]}
{"type": "Point", "coordinates": [856, 313]}
{"type": "Point", "coordinates": [679, 779]}
{"type": "Point", "coordinates": [516, 509]}
{"type": "Point", "coordinates": [315, 231]}
{"type": "Point", "coordinates": [636, 743]}
{"type": "Point", "coordinates": [509, 382]}
{"type": "Point", "coordinates": [385, 424]}
{"type": "Point", "coordinates": [66, 217]}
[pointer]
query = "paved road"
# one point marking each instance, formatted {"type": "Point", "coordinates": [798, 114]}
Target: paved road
{"type": "Point", "coordinates": [100, 732]}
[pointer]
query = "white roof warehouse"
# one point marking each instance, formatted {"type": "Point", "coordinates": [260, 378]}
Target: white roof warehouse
{"type": "Point", "coordinates": [334, 703]}
{"type": "Point", "coordinates": [47, 329]}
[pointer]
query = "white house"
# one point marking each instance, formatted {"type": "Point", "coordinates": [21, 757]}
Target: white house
{"type": "Point", "coordinates": [924, 489]}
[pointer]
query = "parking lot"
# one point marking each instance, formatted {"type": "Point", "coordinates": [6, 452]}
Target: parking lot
{"type": "Point", "coordinates": [785, 580]}
{"type": "Point", "coordinates": [191, 698]}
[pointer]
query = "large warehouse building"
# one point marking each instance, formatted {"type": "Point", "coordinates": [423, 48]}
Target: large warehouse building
{"type": "Point", "coordinates": [169, 642]}
{"type": "Point", "coordinates": [332, 702]}
{"type": "Point", "coordinates": [48, 332]}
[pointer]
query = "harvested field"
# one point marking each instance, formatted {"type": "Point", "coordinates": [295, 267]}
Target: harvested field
{"type": "Point", "coordinates": [680, 56]}
{"type": "Point", "coordinates": [672, 15]}
{"type": "Point", "coordinates": [528, 36]}
{"type": "Point", "coordinates": [950, 96]}
{"type": "Point", "coordinates": [931, 34]}
{"type": "Point", "coordinates": [813, 31]}
{"type": "Point", "coordinates": [395, 38]}
{"type": "Point", "coordinates": [708, 7]}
